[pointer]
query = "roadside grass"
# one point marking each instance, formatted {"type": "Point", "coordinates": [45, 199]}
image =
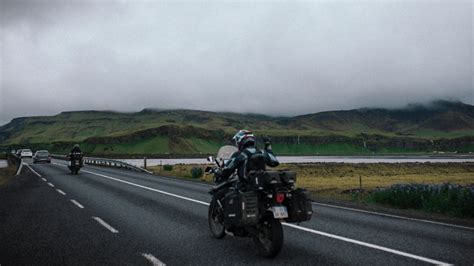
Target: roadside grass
{"type": "Point", "coordinates": [6, 173]}
{"type": "Point", "coordinates": [446, 198]}
{"type": "Point", "coordinates": [182, 170]}
{"type": "Point", "coordinates": [339, 180]}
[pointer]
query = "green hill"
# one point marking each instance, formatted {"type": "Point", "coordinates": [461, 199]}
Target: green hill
{"type": "Point", "coordinates": [440, 126]}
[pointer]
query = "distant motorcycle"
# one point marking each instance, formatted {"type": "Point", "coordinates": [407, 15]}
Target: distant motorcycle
{"type": "Point", "coordinates": [75, 163]}
{"type": "Point", "coordinates": [257, 207]}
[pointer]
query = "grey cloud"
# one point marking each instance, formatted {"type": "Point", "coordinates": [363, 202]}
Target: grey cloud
{"type": "Point", "coordinates": [272, 58]}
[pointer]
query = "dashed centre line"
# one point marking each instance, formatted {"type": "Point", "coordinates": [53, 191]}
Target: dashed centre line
{"type": "Point", "coordinates": [106, 225]}
{"type": "Point", "coordinates": [32, 170]}
{"type": "Point", "coordinates": [77, 204]}
{"type": "Point", "coordinates": [51, 185]}
{"type": "Point", "coordinates": [44, 179]}
{"type": "Point", "coordinates": [154, 261]}
{"type": "Point", "coordinates": [61, 192]}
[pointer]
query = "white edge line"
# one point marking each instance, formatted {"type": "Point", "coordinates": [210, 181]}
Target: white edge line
{"type": "Point", "coordinates": [106, 225]}
{"type": "Point", "coordinates": [148, 188]}
{"type": "Point", "coordinates": [27, 165]}
{"type": "Point", "coordinates": [394, 216]}
{"type": "Point", "coordinates": [393, 251]}
{"type": "Point", "coordinates": [19, 169]}
{"type": "Point", "coordinates": [61, 192]}
{"type": "Point", "coordinates": [77, 204]}
{"type": "Point", "coordinates": [154, 261]}
{"type": "Point", "coordinates": [51, 185]}
{"type": "Point", "coordinates": [357, 242]}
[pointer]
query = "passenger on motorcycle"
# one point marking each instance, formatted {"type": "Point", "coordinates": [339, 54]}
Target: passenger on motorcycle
{"type": "Point", "coordinates": [248, 157]}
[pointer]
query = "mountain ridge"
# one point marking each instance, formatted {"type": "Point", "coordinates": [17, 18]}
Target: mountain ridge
{"type": "Point", "coordinates": [401, 129]}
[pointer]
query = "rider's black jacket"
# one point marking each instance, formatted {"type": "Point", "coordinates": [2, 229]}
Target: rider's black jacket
{"type": "Point", "coordinates": [249, 159]}
{"type": "Point", "coordinates": [75, 152]}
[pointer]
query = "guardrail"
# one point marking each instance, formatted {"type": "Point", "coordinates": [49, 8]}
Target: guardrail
{"type": "Point", "coordinates": [105, 162]}
{"type": "Point", "coordinates": [13, 159]}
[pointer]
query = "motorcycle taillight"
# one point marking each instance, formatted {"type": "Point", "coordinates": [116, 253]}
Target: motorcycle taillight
{"type": "Point", "coordinates": [280, 197]}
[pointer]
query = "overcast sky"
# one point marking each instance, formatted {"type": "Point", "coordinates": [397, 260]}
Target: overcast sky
{"type": "Point", "coordinates": [281, 58]}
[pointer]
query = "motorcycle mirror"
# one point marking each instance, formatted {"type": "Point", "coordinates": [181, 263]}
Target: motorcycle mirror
{"type": "Point", "coordinates": [208, 169]}
{"type": "Point", "coordinates": [210, 159]}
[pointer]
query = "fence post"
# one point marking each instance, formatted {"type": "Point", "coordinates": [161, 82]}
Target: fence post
{"type": "Point", "coordinates": [144, 162]}
{"type": "Point", "coordinates": [360, 184]}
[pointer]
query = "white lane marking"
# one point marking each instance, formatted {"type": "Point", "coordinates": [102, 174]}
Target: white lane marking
{"type": "Point", "coordinates": [77, 204]}
{"type": "Point", "coordinates": [353, 241]}
{"type": "Point", "coordinates": [393, 251]}
{"type": "Point", "coordinates": [19, 169]}
{"type": "Point", "coordinates": [393, 216]}
{"type": "Point", "coordinates": [51, 185]}
{"type": "Point", "coordinates": [61, 192]}
{"type": "Point", "coordinates": [154, 261]}
{"type": "Point", "coordinates": [27, 165]}
{"type": "Point", "coordinates": [104, 224]}
{"type": "Point", "coordinates": [44, 179]}
{"type": "Point", "coordinates": [148, 188]}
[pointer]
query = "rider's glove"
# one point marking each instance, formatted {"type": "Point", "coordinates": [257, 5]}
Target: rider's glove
{"type": "Point", "coordinates": [217, 174]}
{"type": "Point", "coordinates": [267, 143]}
{"type": "Point", "coordinates": [217, 171]}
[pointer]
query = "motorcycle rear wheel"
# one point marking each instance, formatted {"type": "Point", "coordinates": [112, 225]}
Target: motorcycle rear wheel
{"type": "Point", "coordinates": [215, 219]}
{"type": "Point", "coordinates": [269, 241]}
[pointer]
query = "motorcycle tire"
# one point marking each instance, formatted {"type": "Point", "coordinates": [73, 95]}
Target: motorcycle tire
{"type": "Point", "coordinates": [269, 240]}
{"type": "Point", "coordinates": [215, 219]}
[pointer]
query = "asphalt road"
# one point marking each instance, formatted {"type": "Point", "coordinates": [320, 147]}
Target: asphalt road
{"type": "Point", "coordinates": [112, 216]}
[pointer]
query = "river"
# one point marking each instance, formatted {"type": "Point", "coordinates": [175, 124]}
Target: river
{"type": "Point", "coordinates": [322, 159]}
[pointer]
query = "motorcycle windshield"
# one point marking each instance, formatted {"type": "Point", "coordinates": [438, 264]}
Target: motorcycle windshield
{"type": "Point", "coordinates": [225, 152]}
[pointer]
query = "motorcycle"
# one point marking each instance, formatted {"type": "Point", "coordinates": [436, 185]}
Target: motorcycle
{"type": "Point", "coordinates": [256, 207]}
{"type": "Point", "coordinates": [75, 163]}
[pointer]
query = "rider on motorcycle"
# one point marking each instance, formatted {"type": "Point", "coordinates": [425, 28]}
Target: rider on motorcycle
{"type": "Point", "coordinates": [248, 157]}
{"type": "Point", "coordinates": [76, 154]}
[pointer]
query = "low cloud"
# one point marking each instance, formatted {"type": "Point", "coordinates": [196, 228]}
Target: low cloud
{"type": "Point", "coordinates": [271, 58]}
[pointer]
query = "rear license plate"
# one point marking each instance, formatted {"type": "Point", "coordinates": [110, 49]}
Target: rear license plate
{"type": "Point", "coordinates": [279, 212]}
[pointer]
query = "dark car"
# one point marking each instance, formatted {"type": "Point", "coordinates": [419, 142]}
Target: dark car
{"type": "Point", "coordinates": [42, 156]}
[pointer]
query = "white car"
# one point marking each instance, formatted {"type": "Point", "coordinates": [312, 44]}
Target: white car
{"type": "Point", "coordinates": [26, 153]}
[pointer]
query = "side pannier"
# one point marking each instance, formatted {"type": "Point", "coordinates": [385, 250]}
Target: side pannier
{"type": "Point", "coordinates": [241, 208]}
{"type": "Point", "coordinates": [299, 206]}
